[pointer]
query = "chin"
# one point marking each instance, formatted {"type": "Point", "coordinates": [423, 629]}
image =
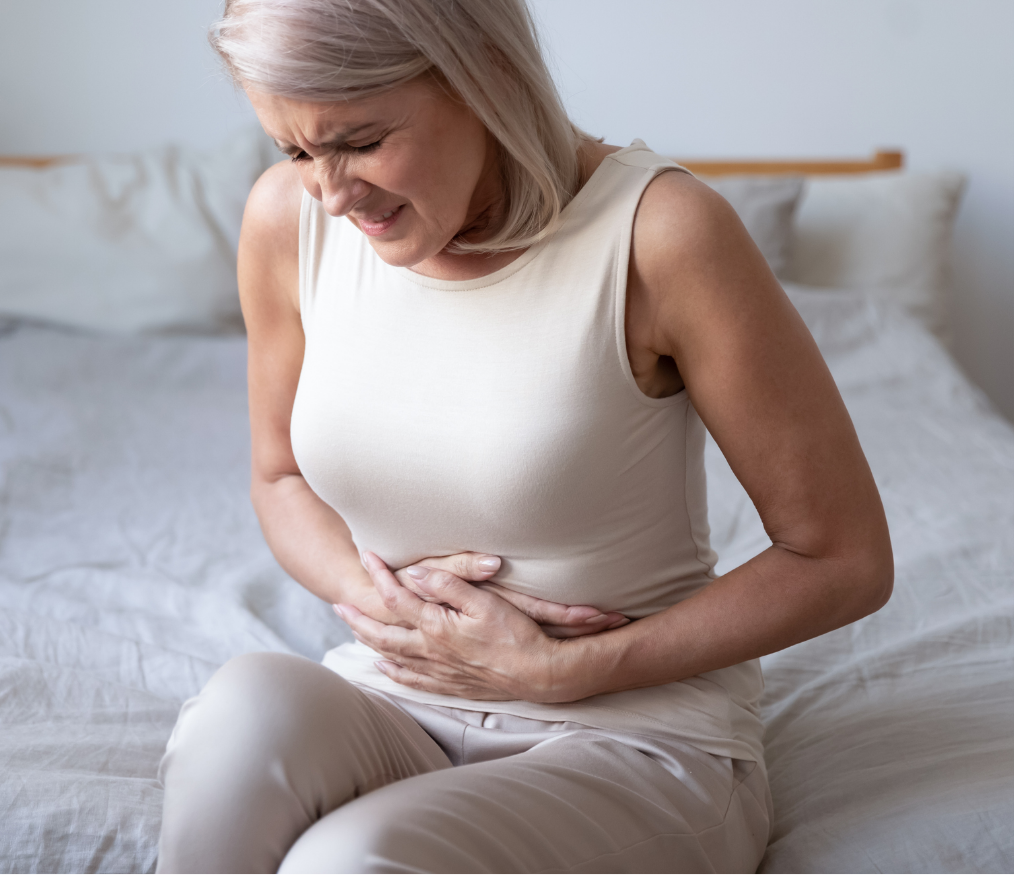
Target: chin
{"type": "Point", "coordinates": [402, 253]}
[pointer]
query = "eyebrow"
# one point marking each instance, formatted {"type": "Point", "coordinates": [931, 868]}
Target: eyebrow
{"type": "Point", "coordinates": [340, 140]}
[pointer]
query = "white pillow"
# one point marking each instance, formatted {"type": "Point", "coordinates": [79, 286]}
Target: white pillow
{"type": "Point", "coordinates": [142, 242]}
{"type": "Point", "coordinates": [766, 205]}
{"type": "Point", "coordinates": [884, 233]}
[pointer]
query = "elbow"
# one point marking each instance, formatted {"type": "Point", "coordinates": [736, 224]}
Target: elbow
{"type": "Point", "coordinates": [872, 576]}
{"type": "Point", "coordinates": [266, 485]}
{"type": "Point", "coordinates": [272, 495]}
{"type": "Point", "coordinates": [881, 588]}
{"type": "Point", "coordinates": [264, 495]}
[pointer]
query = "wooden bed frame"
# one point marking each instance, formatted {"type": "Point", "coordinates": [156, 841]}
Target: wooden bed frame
{"type": "Point", "coordinates": [35, 161]}
{"type": "Point", "coordinates": [881, 160]}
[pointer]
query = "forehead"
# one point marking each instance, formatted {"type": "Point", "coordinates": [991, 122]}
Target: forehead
{"type": "Point", "coordinates": [290, 121]}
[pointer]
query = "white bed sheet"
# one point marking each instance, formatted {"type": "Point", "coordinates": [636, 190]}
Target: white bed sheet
{"type": "Point", "coordinates": [890, 743]}
{"type": "Point", "coordinates": [131, 567]}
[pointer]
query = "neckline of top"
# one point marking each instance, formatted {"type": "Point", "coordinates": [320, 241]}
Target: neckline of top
{"type": "Point", "coordinates": [526, 257]}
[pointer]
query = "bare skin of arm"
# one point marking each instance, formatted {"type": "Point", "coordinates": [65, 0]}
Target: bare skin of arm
{"type": "Point", "coordinates": [308, 538]}
{"type": "Point", "coordinates": [704, 312]}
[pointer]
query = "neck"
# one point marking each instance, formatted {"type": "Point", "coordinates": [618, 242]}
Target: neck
{"type": "Point", "coordinates": [484, 217]}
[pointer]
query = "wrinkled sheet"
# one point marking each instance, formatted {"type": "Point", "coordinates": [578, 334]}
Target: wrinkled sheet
{"type": "Point", "coordinates": [131, 567]}
{"type": "Point", "coordinates": [890, 743]}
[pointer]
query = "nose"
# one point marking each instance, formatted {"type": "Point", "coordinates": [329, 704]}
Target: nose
{"type": "Point", "coordinates": [340, 192]}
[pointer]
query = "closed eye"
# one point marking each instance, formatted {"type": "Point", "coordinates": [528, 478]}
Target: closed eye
{"type": "Point", "coordinates": [367, 148]}
{"type": "Point", "coordinates": [361, 150]}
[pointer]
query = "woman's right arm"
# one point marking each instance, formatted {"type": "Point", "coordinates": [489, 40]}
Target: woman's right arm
{"type": "Point", "coordinates": [309, 539]}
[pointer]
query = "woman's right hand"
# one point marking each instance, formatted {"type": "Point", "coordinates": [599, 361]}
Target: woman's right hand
{"type": "Point", "coordinates": [556, 620]}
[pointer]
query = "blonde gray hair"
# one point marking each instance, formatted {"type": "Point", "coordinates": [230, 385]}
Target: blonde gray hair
{"type": "Point", "coordinates": [487, 52]}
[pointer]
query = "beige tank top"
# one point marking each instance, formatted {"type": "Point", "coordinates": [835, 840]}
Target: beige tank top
{"type": "Point", "coordinates": [500, 415]}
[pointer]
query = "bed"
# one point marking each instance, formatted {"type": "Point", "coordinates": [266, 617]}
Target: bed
{"type": "Point", "coordinates": [132, 566]}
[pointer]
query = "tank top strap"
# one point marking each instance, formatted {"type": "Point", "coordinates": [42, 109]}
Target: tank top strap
{"type": "Point", "coordinates": [601, 215]}
{"type": "Point", "coordinates": [638, 154]}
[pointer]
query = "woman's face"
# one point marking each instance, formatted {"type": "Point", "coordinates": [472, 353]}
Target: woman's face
{"type": "Point", "coordinates": [410, 167]}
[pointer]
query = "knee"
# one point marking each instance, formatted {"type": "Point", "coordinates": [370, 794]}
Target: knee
{"type": "Point", "coordinates": [386, 841]}
{"type": "Point", "coordinates": [245, 695]}
{"type": "Point", "coordinates": [256, 685]}
{"type": "Point", "coordinates": [238, 770]}
{"type": "Point", "coordinates": [407, 826]}
{"type": "Point", "coordinates": [253, 708]}
{"type": "Point", "coordinates": [260, 688]}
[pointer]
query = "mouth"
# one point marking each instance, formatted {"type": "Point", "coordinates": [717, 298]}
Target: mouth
{"type": "Point", "coordinates": [379, 224]}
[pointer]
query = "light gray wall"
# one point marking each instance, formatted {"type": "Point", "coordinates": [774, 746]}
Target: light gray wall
{"type": "Point", "coordinates": [694, 78]}
{"type": "Point", "coordinates": [700, 78]}
{"type": "Point", "coordinates": [83, 75]}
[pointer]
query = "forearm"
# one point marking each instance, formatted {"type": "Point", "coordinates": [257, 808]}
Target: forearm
{"type": "Point", "coordinates": [314, 545]}
{"type": "Point", "coordinates": [771, 602]}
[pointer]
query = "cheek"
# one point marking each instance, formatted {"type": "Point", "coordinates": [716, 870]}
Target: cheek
{"type": "Point", "coordinates": [439, 190]}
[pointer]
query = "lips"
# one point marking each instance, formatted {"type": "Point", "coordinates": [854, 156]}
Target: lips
{"type": "Point", "coordinates": [377, 225]}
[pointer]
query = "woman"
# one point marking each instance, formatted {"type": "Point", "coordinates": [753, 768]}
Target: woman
{"type": "Point", "coordinates": [483, 350]}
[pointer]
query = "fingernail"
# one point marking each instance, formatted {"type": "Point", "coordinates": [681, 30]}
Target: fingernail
{"type": "Point", "coordinates": [598, 618]}
{"type": "Point", "coordinates": [489, 563]}
{"type": "Point", "coordinates": [619, 623]}
{"type": "Point", "coordinates": [417, 572]}
{"type": "Point", "coordinates": [384, 665]}
{"type": "Point", "coordinates": [339, 611]}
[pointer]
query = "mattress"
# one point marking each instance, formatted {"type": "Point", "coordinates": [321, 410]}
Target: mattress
{"type": "Point", "coordinates": [132, 566]}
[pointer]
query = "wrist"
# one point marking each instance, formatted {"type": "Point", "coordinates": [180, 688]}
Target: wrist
{"type": "Point", "coordinates": [353, 586]}
{"type": "Point", "coordinates": [565, 672]}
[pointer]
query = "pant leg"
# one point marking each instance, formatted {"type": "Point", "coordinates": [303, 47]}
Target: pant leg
{"type": "Point", "coordinates": [582, 802]}
{"type": "Point", "coordinates": [273, 743]}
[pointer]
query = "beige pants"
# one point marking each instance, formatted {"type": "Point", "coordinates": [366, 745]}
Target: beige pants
{"type": "Point", "coordinates": [281, 765]}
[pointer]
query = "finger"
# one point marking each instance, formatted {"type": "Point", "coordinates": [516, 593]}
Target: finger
{"type": "Point", "coordinates": [452, 590]}
{"type": "Point", "coordinates": [417, 681]}
{"type": "Point", "coordinates": [584, 629]}
{"type": "Point", "coordinates": [393, 621]}
{"type": "Point", "coordinates": [407, 581]}
{"type": "Point", "coordinates": [383, 638]}
{"type": "Point", "coordinates": [552, 613]}
{"type": "Point", "coordinates": [396, 598]}
{"type": "Point", "coordinates": [467, 566]}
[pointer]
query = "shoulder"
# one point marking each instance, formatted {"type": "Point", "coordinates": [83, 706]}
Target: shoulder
{"type": "Point", "coordinates": [680, 220]}
{"type": "Point", "coordinates": [274, 202]}
{"type": "Point", "coordinates": [693, 266]}
{"type": "Point", "coordinates": [269, 242]}
{"type": "Point", "coordinates": [689, 244]}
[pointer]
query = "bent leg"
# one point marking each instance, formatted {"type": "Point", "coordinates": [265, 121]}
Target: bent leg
{"type": "Point", "coordinates": [271, 744]}
{"type": "Point", "coordinates": [581, 803]}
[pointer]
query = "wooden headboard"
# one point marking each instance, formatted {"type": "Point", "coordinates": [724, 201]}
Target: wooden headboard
{"type": "Point", "coordinates": [36, 161]}
{"type": "Point", "coordinates": [881, 160]}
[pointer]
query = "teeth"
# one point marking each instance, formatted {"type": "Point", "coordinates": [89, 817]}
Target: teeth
{"type": "Point", "coordinates": [388, 215]}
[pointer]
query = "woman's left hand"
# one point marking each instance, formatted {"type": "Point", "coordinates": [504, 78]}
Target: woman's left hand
{"type": "Point", "coordinates": [480, 647]}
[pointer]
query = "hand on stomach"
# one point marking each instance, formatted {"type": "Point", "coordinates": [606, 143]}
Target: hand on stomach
{"type": "Point", "coordinates": [556, 620]}
{"type": "Point", "coordinates": [459, 635]}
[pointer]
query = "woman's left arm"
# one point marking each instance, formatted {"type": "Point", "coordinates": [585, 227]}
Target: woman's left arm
{"type": "Point", "coordinates": [704, 311]}
{"type": "Point", "coordinates": [701, 295]}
